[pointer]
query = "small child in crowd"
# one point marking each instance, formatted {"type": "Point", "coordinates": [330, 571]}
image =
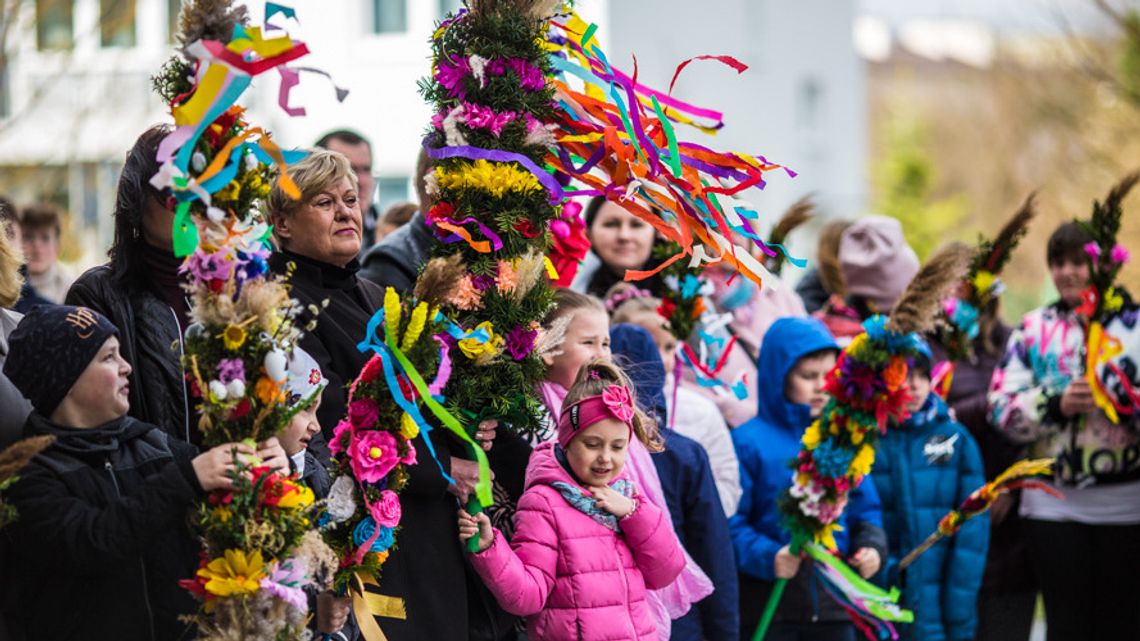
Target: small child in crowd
{"type": "Point", "coordinates": [798, 353]}
{"type": "Point", "coordinates": [102, 512]}
{"type": "Point", "coordinates": [587, 545]}
{"type": "Point", "coordinates": [923, 469]}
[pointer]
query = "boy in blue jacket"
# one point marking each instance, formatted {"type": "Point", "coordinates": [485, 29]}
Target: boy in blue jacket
{"type": "Point", "coordinates": [923, 469]}
{"type": "Point", "coordinates": [796, 355]}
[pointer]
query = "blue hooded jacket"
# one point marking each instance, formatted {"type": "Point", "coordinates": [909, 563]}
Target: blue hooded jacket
{"type": "Point", "coordinates": [690, 493]}
{"type": "Point", "coordinates": [765, 446]}
{"type": "Point", "coordinates": [924, 469]}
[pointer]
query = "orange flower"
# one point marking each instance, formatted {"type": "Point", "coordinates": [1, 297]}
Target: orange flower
{"type": "Point", "coordinates": [268, 391]}
{"type": "Point", "coordinates": [895, 373]}
{"type": "Point", "coordinates": [698, 307]}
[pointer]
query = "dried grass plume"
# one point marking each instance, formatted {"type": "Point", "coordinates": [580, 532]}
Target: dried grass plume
{"type": "Point", "coordinates": [917, 308]}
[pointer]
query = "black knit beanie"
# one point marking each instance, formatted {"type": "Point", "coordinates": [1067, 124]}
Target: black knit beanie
{"type": "Point", "coordinates": [50, 348]}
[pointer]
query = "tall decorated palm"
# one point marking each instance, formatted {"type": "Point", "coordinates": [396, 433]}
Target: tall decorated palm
{"type": "Point", "coordinates": [259, 552]}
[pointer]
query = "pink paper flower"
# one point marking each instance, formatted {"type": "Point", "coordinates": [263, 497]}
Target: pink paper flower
{"type": "Point", "coordinates": [341, 434]}
{"type": "Point", "coordinates": [617, 399]}
{"type": "Point", "coordinates": [386, 512]}
{"type": "Point", "coordinates": [205, 266]}
{"type": "Point", "coordinates": [373, 454]}
{"type": "Point", "coordinates": [1093, 250]}
{"type": "Point", "coordinates": [231, 369]}
{"type": "Point", "coordinates": [409, 457]}
{"type": "Point", "coordinates": [1120, 254]}
{"type": "Point", "coordinates": [363, 412]}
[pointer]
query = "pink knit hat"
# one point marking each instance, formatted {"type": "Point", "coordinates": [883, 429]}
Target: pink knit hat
{"type": "Point", "coordinates": [876, 261]}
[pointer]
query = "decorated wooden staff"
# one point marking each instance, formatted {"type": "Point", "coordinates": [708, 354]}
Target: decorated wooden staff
{"type": "Point", "coordinates": [1015, 477]}
{"type": "Point", "coordinates": [867, 392]}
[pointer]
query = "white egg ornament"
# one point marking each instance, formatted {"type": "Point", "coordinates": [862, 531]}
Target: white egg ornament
{"type": "Point", "coordinates": [276, 365]}
{"type": "Point", "coordinates": [235, 388]}
{"type": "Point", "coordinates": [218, 392]}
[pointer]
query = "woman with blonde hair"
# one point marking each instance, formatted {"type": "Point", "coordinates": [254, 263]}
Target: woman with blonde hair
{"type": "Point", "coordinates": [14, 408]}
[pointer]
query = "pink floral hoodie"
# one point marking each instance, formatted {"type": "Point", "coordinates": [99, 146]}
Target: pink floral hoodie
{"type": "Point", "coordinates": [572, 577]}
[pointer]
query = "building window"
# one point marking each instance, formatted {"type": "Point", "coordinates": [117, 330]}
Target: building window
{"type": "Point", "coordinates": [173, 10]}
{"type": "Point", "coordinates": [389, 16]}
{"type": "Point", "coordinates": [117, 23]}
{"type": "Point", "coordinates": [447, 7]}
{"type": "Point", "coordinates": [393, 189]}
{"type": "Point", "coordinates": [54, 28]}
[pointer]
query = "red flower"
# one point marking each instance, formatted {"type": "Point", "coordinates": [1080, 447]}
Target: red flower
{"type": "Point", "coordinates": [524, 227]}
{"type": "Point", "coordinates": [241, 409]}
{"type": "Point", "coordinates": [440, 210]}
{"type": "Point", "coordinates": [666, 308]}
{"type": "Point", "coordinates": [217, 285]}
{"type": "Point", "coordinates": [371, 370]}
{"type": "Point", "coordinates": [1088, 303]}
{"type": "Point", "coordinates": [569, 244]}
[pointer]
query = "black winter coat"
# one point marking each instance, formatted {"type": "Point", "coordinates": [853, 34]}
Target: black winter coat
{"type": "Point", "coordinates": [150, 339]}
{"type": "Point", "coordinates": [102, 539]}
{"type": "Point", "coordinates": [340, 326]}
{"type": "Point", "coordinates": [397, 259]}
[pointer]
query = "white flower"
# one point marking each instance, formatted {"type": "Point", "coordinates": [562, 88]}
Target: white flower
{"type": "Point", "coordinates": [341, 503]}
{"type": "Point", "coordinates": [477, 68]}
{"type": "Point", "coordinates": [218, 391]}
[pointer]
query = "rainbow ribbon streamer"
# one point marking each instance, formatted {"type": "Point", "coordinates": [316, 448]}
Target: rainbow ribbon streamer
{"type": "Point", "coordinates": [871, 608]}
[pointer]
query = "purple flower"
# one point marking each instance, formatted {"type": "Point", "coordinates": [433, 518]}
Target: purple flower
{"type": "Point", "coordinates": [208, 266]}
{"type": "Point", "coordinates": [231, 369]}
{"type": "Point", "coordinates": [1120, 254]}
{"type": "Point", "coordinates": [483, 282]}
{"type": "Point", "coordinates": [482, 117]}
{"type": "Point", "coordinates": [1093, 250]}
{"type": "Point", "coordinates": [450, 75]}
{"type": "Point", "coordinates": [530, 77]}
{"type": "Point", "coordinates": [520, 342]}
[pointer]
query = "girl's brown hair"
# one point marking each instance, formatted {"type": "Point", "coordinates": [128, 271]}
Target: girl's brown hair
{"type": "Point", "coordinates": [594, 378]}
{"type": "Point", "coordinates": [568, 301]}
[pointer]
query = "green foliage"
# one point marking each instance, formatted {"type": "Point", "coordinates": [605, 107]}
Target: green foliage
{"type": "Point", "coordinates": [905, 184]}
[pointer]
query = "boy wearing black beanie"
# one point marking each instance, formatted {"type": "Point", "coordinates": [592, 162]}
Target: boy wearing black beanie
{"type": "Point", "coordinates": [101, 540]}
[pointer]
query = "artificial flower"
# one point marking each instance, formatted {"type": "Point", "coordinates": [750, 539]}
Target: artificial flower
{"type": "Point", "coordinates": [373, 454]}
{"type": "Point", "coordinates": [206, 266]}
{"type": "Point", "coordinates": [231, 369]}
{"type": "Point", "coordinates": [392, 311]}
{"type": "Point", "coordinates": [508, 278]}
{"type": "Point", "coordinates": [285, 582]}
{"type": "Point", "coordinates": [465, 295]}
{"type": "Point", "coordinates": [520, 342]}
{"type": "Point", "coordinates": [476, 347]}
{"type": "Point", "coordinates": [497, 179]}
{"type": "Point", "coordinates": [342, 433]}
{"type": "Point", "coordinates": [811, 436]}
{"type": "Point", "coordinates": [363, 413]}
{"type": "Point", "coordinates": [1120, 254]}
{"type": "Point", "coordinates": [268, 391]}
{"type": "Point", "coordinates": [983, 282]}
{"type": "Point", "coordinates": [233, 574]}
{"type": "Point", "coordinates": [1113, 301]}
{"type": "Point", "coordinates": [619, 402]}
{"type": "Point", "coordinates": [1093, 250]}
{"type": "Point", "coordinates": [415, 326]}
{"type": "Point", "coordinates": [341, 503]}
{"type": "Point", "coordinates": [861, 464]}
{"type": "Point", "coordinates": [371, 370]}
{"type": "Point", "coordinates": [408, 427]}
{"type": "Point", "coordinates": [409, 457]}
{"type": "Point", "coordinates": [386, 511]}
{"type": "Point", "coordinates": [524, 227]}
{"type": "Point", "coordinates": [894, 374]}
{"type": "Point", "coordinates": [233, 337]}
{"type": "Point", "coordinates": [382, 538]}
{"type": "Point", "coordinates": [825, 536]}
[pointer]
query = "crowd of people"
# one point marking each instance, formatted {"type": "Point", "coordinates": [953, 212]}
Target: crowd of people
{"type": "Point", "coordinates": [647, 507]}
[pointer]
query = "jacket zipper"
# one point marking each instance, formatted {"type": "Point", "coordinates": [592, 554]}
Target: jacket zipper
{"type": "Point", "coordinates": [142, 563]}
{"type": "Point", "coordinates": [181, 357]}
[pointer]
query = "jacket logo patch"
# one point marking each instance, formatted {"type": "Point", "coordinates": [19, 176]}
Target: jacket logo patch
{"type": "Point", "coordinates": [939, 448]}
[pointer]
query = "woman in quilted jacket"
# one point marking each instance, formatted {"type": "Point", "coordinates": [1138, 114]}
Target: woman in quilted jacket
{"type": "Point", "coordinates": [586, 545]}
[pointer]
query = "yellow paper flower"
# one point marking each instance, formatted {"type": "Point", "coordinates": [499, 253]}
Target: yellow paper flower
{"type": "Point", "coordinates": [222, 514]}
{"type": "Point", "coordinates": [408, 427]}
{"type": "Point", "coordinates": [983, 282]}
{"type": "Point", "coordinates": [856, 434]}
{"type": "Point", "coordinates": [392, 311]}
{"type": "Point", "coordinates": [1113, 301]}
{"type": "Point", "coordinates": [826, 535]}
{"type": "Point", "coordinates": [811, 436]}
{"type": "Point", "coordinates": [478, 349]}
{"type": "Point", "coordinates": [861, 464]}
{"type": "Point", "coordinates": [234, 573]}
{"type": "Point", "coordinates": [494, 178]}
{"type": "Point", "coordinates": [415, 326]}
{"type": "Point", "coordinates": [233, 337]}
{"type": "Point", "coordinates": [301, 497]}
{"type": "Point", "coordinates": [857, 344]}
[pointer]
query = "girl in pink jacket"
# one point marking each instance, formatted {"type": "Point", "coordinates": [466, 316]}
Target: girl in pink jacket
{"type": "Point", "coordinates": [587, 546]}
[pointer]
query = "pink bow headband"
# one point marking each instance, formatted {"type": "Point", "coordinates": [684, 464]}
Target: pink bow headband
{"type": "Point", "coordinates": [613, 402]}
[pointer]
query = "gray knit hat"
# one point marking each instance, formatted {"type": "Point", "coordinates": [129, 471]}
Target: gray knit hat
{"type": "Point", "coordinates": [877, 262]}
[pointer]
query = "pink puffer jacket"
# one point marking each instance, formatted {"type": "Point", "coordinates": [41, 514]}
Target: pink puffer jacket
{"type": "Point", "coordinates": [572, 577]}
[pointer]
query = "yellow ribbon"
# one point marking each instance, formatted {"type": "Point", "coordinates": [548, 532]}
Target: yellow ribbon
{"type": "Point", "coordinates": [367, 606]}
{"type": "Point", "coordinates": [1102, 348]}
{"type": "Point", "coordinates": [194, 109]}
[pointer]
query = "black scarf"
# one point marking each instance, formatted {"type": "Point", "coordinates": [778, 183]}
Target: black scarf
{"type": "Point", "coordinates": [101, 440]}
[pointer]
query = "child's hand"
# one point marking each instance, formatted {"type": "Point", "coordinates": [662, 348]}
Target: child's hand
{"type": "Point", "coordinates": [272, 454]}
{"type": "Point", "coordinates": [867, 562]}
{"type": "Point", "coordinates": [485, 436]}
{"type": "Point", "coordinates": [332, 612]}
{"type": "Point", "coordinates": [479, 524]}
{"type": "Point", "coordinates": [787, 564]}
{"type": "Point", "coordinates": [215, 466]}
{"type": "Point", "coordinates": [613, 502]}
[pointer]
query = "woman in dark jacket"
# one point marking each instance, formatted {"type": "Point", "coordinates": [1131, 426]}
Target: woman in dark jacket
{"type": "Point", "coordinates": [100, 541]}
{"type": "Point", "coordinates": [140, 291]}
{"type": "Point", "coordinates": [319, 237]}
{"type": "Point", "coordinates": [619, 241]}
